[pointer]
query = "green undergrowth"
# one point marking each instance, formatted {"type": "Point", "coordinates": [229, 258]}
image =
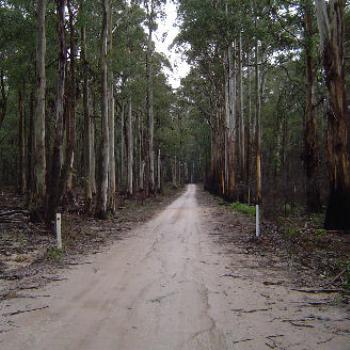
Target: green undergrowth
{"type": "Point", "coordinates": [243, 208]}
{"type": "Point", "coordinates": [54, 254]}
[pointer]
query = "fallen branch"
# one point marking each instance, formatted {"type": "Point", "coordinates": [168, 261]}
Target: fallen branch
{"type": "Point", "coordinates": [338, 276]}
{"type": "Point", "coordinates": [317, 291]}
{"type": "Point", "coordinates": [271, 339]}
{"type": "Point", "coordinates": [269, 283]}
{"type": "Point", "coordinates": [326, 341]}
{"type": "Point", "coordinates": [24, 311]}
{"type": "Point", "coordinates": [300, 324]}
{"type": "Point", "coordinates": [230, 275]}
{"type": "Point", "coordinates": [250, 311]}
{"type": "Point", "coordinates": [242, 340]}
{"type": "Point", "coordinates": [13, 212]}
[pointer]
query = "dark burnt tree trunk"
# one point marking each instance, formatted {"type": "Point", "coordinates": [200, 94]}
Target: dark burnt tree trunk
{"type": "Point", "coordinates": [330, 18]}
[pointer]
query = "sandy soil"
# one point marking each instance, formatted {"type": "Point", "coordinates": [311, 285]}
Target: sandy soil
{"type": "Point", "coordinates": [169, 285]}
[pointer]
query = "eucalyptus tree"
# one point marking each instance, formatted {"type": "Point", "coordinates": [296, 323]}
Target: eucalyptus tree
{"type": "Point", "coordinates": [39, 115]}
{"type": "Point", "coordinates": [102, 203]}
{"type": "Point", "coordinates": [311, 154]}
{"type": "Point", "coordinates": [153, 8]}
{"type": "Point", "coordinates": [71, 102]}
{"type": "Point", "coordinates": [89, 142]}
{"type": "Point", "coordinates": [330, 17]}
{"type": "Point", "coordinates": [55, 178]}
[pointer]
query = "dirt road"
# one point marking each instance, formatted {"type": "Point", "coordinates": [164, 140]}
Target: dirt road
{"type": "Point", "coordinates": [169, 286]}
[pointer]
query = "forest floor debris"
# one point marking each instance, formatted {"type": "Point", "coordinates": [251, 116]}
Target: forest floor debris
{"type": "Point", "coordinates": [28, 255]}
{"type": "Point", "coordinates": [318, 261]}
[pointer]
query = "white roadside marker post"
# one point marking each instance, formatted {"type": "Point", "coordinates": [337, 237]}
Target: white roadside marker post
{"type": "Point", "coordinates": [58, 227]}
{"type": "Point", "coordinates": [257, 221]}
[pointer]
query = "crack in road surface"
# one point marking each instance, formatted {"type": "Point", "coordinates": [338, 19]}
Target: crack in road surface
{"type": "Point", "coordinates": [164, 288]}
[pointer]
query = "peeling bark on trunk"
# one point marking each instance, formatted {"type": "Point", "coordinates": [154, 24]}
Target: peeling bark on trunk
{"type": "Point", "coordinates": [330, 18]}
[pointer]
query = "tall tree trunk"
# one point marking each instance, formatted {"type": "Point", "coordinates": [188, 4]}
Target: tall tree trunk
{"type": "Point", "coordinates": [93, 154]}
{"type": "Point", "coordinates": [150, 111]}
{"type": "Point", "coordinates": [30, 148]}
{"type": "Point", "coordinates": [330, 17]}
{"type": "Point", "coordinates": [57, 156]}
{"type": "Point", "coordinates": [227, 120]}
{"type": "Point", "coordinates": [141, 160]}
{"type": "Point", "coordinates": [248, 137]}
{"type": "Point", "coordinates": [71, 123]}
{"type": "Point", "coordinates": [39, 115]}
{"type": "Point", "coordinates": [111, 113]}
{"type": "Point", "coordinates": [174, 175]}
{"type": "Point", "coordinates": [122, 149]}
{"type": "Point", "coordinates": [112, 177]}
{"type": "Point", "coordinates": [242, 156]}
{"type": "Point", "coordinates": [231, 126]}
{"type": "Point", "coordinates": [3, 100]}
{"type": "Point", "coordinates": [87, 147]}
{"type": "Point", "coordinates": [311, 147]}
{"type": "Point", "coordinates": [257, 126]}
{"type": "Point", "coordinates": [22, 179]}
{"type": "Point", "coordinates": [130, 150]}
{"type": "Point", "coordinates": [104, 146]}
{"type": "Point", "coordinates": [159, 187]}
